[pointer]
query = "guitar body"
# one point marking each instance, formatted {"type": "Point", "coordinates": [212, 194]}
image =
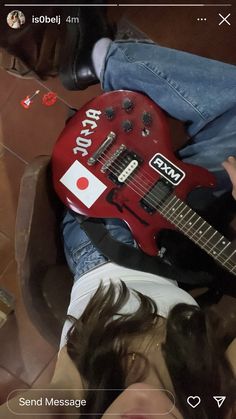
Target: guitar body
{"type": "Point", "coordinates": [115, 156]}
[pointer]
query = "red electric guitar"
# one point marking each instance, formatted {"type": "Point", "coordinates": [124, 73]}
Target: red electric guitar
{"type": "Point", "coordinates": [114, 159]}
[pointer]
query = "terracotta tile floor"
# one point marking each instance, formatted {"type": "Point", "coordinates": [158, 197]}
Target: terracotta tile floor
{"type": "Point", "coordinates": [26, 359]}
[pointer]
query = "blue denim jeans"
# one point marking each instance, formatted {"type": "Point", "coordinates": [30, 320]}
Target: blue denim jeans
{"type": "Point", "coordinates": [196, 90]}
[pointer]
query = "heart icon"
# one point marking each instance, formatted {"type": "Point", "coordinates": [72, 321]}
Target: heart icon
{"type": "Point", "coordinates": [193, 401]}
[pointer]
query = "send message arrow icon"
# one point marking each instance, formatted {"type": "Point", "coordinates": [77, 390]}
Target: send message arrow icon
{"type": "Point", "coordinates": [219, 400]}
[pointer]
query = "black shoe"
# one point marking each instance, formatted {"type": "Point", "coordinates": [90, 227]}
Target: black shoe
{"type": "Point", "coordinates": [77, 71]}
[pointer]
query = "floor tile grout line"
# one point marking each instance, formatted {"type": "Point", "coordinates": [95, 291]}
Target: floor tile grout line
{"type": "Point", "coordinates": [13, 152]}
{"type": "Point", "coordinates": [42, 371]}
{"type": "Point", "coordinates": [13, 87]}
{"type": "Point", "coordinates": [12, 260]}
{"type": "Point", "coordinates": [60, 98]}
{"type": "Point", "coordinates": [15, 376]}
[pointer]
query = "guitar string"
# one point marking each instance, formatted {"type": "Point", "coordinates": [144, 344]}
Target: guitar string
{"type": "Point", "coordinates": [151, 179]}
{"type": "Point", "coordinates": [173, 197]}
{"type": "Point", "coordinates": [171, 214]}
{"type": "Point", "coordinates": [189, 229]}
{"type": "Point", "coordinates": [220, 259]}
{"type": "Point", "coordinates": [178, 223]}
{"type": "Point", "coordinates": [149, 185]}
{"type": "Point", "coordinates": [180, 202]}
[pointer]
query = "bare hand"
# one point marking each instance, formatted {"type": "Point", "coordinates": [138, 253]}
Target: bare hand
{"type": "Point", "coordinates": [230, 167]}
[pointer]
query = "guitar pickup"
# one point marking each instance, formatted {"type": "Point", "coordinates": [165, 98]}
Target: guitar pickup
{"type": "Point", "coordinates": [156, 196]}
{"type": "Point", "coordinates": [128, 171]}
{"type": "Point", "coordinates": [122, 165]}
{"type": "Point", "coordinates": [105, 145]}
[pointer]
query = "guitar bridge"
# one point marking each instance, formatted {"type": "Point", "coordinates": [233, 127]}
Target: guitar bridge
{"type": "Point", "coordinates": [114, 156]}
{"type": "Point", "coordinates": [105, 145]}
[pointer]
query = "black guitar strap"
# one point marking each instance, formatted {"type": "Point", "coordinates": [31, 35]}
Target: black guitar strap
{"type": "Point", "coordinates": [133, 258]}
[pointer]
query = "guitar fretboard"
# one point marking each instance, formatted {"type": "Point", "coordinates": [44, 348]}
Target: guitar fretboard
{"type": "Point", "coordinates": [199, 231]}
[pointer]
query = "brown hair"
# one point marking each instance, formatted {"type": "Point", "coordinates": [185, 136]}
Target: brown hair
{"type": "Point", "coordinates": [195, 357]}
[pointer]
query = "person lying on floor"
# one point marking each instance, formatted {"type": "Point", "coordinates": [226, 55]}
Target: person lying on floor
{"type": "Point", "coordinates": [129, 330]}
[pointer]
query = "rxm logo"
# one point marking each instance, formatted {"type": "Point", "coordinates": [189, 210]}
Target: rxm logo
{"type": "Point", "coordinates": [167, 169]}
{"type": "Point", "coordinates": [83, 142]}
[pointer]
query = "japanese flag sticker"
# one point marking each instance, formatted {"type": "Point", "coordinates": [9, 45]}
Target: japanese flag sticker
{"type": "Point", "coordinates": [83, 184]}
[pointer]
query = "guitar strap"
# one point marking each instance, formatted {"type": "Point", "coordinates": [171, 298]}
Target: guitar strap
{"type": "Point", "coordinates": [134, 258]}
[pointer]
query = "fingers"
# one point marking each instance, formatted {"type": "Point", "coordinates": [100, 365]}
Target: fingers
{"type": "Point", "coordinates": [230, 167]}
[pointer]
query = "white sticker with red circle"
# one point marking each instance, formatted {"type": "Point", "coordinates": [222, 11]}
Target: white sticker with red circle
{"type": "Point", "coordinates": [83, 184]}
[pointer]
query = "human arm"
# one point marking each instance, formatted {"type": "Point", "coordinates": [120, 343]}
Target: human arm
{"type": "Point", "coordinates": [231, 355]}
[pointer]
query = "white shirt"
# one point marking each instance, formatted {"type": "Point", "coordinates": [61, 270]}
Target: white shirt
{"type": "Point", "coordinates": [165, 292]}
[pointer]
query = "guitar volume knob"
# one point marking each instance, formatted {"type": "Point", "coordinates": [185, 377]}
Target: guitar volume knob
{"type": "Point", "coordinates": [110, 112]}
{"type": "Point", "coordinates": [127, 125]}
{"type": "Point", "coordinates": [147, 119]}
{"type": "Point", "coordinates": [127, 104]}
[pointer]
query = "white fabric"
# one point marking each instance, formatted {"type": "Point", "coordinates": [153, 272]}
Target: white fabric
{"type": "Point", "coordinates": [16, 25]}
{"type": "Point", "coordinates": [163, 291]}
{"type": "Point", "coordinates": [99, 53]}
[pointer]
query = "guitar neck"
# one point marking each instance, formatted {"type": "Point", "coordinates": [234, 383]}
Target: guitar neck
{"type": "Point", "coordinates": [199, 231]}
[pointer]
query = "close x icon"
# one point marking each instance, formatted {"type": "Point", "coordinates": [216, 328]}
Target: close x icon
{"type": "Point", "coordinates": [224, 19]}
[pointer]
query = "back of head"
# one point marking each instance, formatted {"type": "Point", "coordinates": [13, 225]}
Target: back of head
{"type": "Point", "coordinates": [194, 355]}
{"type": "Point", "coordinates": [196, 361]}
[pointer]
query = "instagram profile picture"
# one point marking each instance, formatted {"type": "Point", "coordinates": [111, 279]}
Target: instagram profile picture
{"type": "Point", "coordinates": [15, 19]}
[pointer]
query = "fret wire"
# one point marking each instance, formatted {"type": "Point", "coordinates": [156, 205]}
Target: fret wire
{"type": "Point", "coordinates": [193, 224]}
{"type": "Point", "coordinates": [230, 256]}
{"type": "Point", "coordinates": [224, 247]}
{"type": "Point", "coordinates": [227, 263]}
{"type": "Point", "coordinates": [212, 236]}
{"type": "Point", "coordinates": [200, 227]}
{"type": "Point", "coordinates": [193, 233]}
{"type": "Point", "coordinates": [166, 211]}
{"type": "Point", "coordinates": [184, 226]}
{"type": "Point", "coordinates": [178, 221]}
{"type": "Point", "coordinates": [189, 223]}
{"type": "Point", "coordinates": [173, 197]}
{"type": "Point", "coordinates": [220, 259]}
{"type": "Point", "coordinates": [203, 245]}
{"type": "Point", "coordinates": [175, 209]}
{"type": "Point", "coordinates": [204, 222]}
{"type": "Point", "coordinates": [171, 205]}
{"type": "Point", "coordinates": [214, 249]}
{"type": "Point", "coordinates": [218, 240]}
{"type": "Point", "coordinates": [205, 231]}
{"type": "Point", "coordinates": [218, 256]}
{"type": "Point", "coordinates": [169, 201]}
{"type": "Point", "coordinates": [185, 214]}
{"type": "Point", "coordinates": [172, 210]}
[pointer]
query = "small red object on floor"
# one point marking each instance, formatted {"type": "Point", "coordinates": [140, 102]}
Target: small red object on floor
{"type": "Point", "coordinates": [27, 102]}
{"type": "Point", "coordinates": [49, 99]}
